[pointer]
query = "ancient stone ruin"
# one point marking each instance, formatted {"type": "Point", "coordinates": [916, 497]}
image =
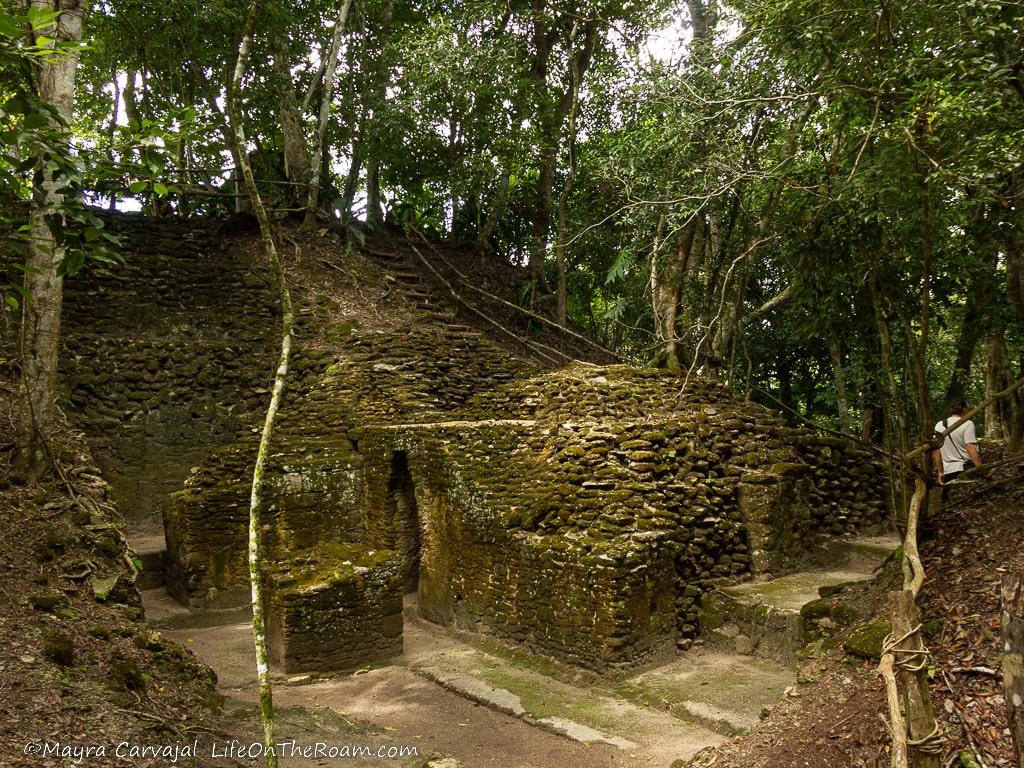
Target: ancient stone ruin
{"type": "Point", "coordinates": [581, 511]}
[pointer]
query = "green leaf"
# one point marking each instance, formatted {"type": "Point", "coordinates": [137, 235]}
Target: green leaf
{"type": "Point", "coordinates": [138, 186]}
{"type": "Point", "coordinates": [9, 27]}
{"type": "Point", "coordinates": [74, 262]}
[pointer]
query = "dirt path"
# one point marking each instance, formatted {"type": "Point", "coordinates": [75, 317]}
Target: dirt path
{"type": "Point", "coordinates": [404, 708]}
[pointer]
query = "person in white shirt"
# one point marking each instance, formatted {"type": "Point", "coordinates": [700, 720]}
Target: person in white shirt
{"type": "Point", "coordinates": [959, 450]}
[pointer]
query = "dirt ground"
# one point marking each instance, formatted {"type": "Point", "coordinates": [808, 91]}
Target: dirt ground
{"type": "Point", "coordinates": [404, 708]}
{"type": "Point", "coordinates": [834, 720]}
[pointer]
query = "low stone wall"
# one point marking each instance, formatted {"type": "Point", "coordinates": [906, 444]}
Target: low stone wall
{"type": "Point", "coordinates": [335, 607]}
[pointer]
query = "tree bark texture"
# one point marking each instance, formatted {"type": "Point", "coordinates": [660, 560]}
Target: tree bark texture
{"type": "Point", "coordinates": [374, 214]}
{"type": "Point", "coordinates": [839, 377]}
{"type": "Point", "coordinates": [44, 285]}
{"type": "Point", "coordinates": [667, 279]}
{"type": "Point", "coordinates": [1001, 415]}
{"type": "Point", "coordinates": [551, 118]}
{"type": "Point", "coordinates": [297, 166]}
{"type": "Point", "coordinates": [1013, 658]}
{"type": "Point", "coordinates": [913, 684]}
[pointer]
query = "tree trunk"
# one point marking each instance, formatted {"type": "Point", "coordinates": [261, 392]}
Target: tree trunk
{"type": "Point", "coordinates": [563, 198]}
{"type": "Point", "coordinates": [44, 285]}
{"type": "Point", "coordinates": [551, 118]}
{"type": "Point", "coordinates": [1013, 658]}
{"type": "Point", "coordinates": [1000, 415]}
{"type": "Point", "coordinates": [666, 289]}
{"type": "Point", "coordinates": [297, 168]}
{"type": "Point", "coordinates": [352, 181]}
{"type": "Point", "coordinates": [839, 377]}
{"type": "Point", "coordinates": [287, 317]}
{"type": "Point", "coordinates": [316, 163]}
{"type": "Point", "coordinates": [374, 214]}
{"type": "Point", "coordinates": [914, 685]}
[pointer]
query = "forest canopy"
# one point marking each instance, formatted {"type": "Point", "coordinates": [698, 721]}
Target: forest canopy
{"type": "Point", "coordinates": [818, 202]}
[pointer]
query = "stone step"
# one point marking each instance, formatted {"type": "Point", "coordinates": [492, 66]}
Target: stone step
{"type": "Point", "coordinates": [864, 553]}
{"type": "Point", "coordinates": [763, 618]}
{"type": "Point", "coordinates": [164, 612]}
{"type": "Point", "coordinates": [150, 554]}
{"type": "Point", "coordinates": [153, 572]}
{"type": "Point", "coordinates": [727, 693]}
{"type": "Point", "coordinates": [588, 715]}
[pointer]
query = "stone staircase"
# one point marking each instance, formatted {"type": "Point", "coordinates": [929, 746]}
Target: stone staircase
{"type": "Point", "coordinates": [772, 618]}
{"type": "Point", "coordinates": [407, 277]}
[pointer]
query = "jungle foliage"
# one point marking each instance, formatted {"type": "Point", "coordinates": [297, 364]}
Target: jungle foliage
{"type": "Point", "coordinates": [817, 201]}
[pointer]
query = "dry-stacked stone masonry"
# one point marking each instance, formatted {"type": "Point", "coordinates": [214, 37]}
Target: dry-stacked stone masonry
{"type": "Point", "coordinates": [166, 355]}
{"type": "Point", "coordinates": [581, 511]}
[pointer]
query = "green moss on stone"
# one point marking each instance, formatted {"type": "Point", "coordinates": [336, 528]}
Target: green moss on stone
{"type": "Point", "coordinates": [866, 641]}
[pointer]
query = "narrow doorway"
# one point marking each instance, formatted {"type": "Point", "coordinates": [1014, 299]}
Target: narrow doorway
{"type": "Point", "coordinates": [405, 519]}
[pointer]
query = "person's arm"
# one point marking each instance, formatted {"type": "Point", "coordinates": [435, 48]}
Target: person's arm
{"type": "Point", "coordinates": [971, 443]}
{"type": "Point", "coordinates": [937, 459]}
{"type": "Point", "coordinates": [974, 453]}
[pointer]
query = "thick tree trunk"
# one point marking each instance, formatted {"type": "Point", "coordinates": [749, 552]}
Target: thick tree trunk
{"type": "Point", "coordinates": [352, 181]}
{"type": "Point", "coordinates": [999, 416]}
{"type": "Point", "coordinates": [41, 317]}
{"type": "Point", "coordinates": [667, 274]}
{"type": "Point", "coordinates": [297, 168]}
{"type": "Point", "coordinates": [1013, 658]}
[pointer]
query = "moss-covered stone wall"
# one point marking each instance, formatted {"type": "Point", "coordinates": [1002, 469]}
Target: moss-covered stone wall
{"type": "Point", "coordinates": [580, 511]}
{"type": "Point", "coordinates": [589, 513]}
{"type": "Point", "coordinates": [334, 606]}
{"type": "Point", "coordinates": [166, 355]}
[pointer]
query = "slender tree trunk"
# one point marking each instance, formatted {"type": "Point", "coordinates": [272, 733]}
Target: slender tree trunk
{"type": "Point", "coordinates": [563, 198]}
{"type": "Point", "coordinates": [495, 212]}
{"type": "Point", "coordinates": [374, 215]}
{"type": "Point", "coordinates": [255, 500]}
{"type": "Point", "coordinates": [313, 199]}
{"type": "Point", "coordinates": [44, 285]}
{"type": "Point", "coordinates": [551, 118]}
{"type": "Point", "coordinates": [131, 105]}
{"type": "Point", "coordinates": [839, 377]}
{"type": "Point", "coordinates": [1013, 658]}
{"type": "Point", "coordinates": [999, 416]}
{"type": "Point", "coordinates": [112, 128]}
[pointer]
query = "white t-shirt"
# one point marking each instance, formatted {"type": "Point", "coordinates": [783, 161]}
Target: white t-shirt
{"type": "Point", "coordinates": [954, 447]}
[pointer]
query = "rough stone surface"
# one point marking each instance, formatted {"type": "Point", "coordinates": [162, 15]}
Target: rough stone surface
{"type": "Point", "coordinates": [582, 511]}
{"type": "Point", "coordinates": [335, 607]}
